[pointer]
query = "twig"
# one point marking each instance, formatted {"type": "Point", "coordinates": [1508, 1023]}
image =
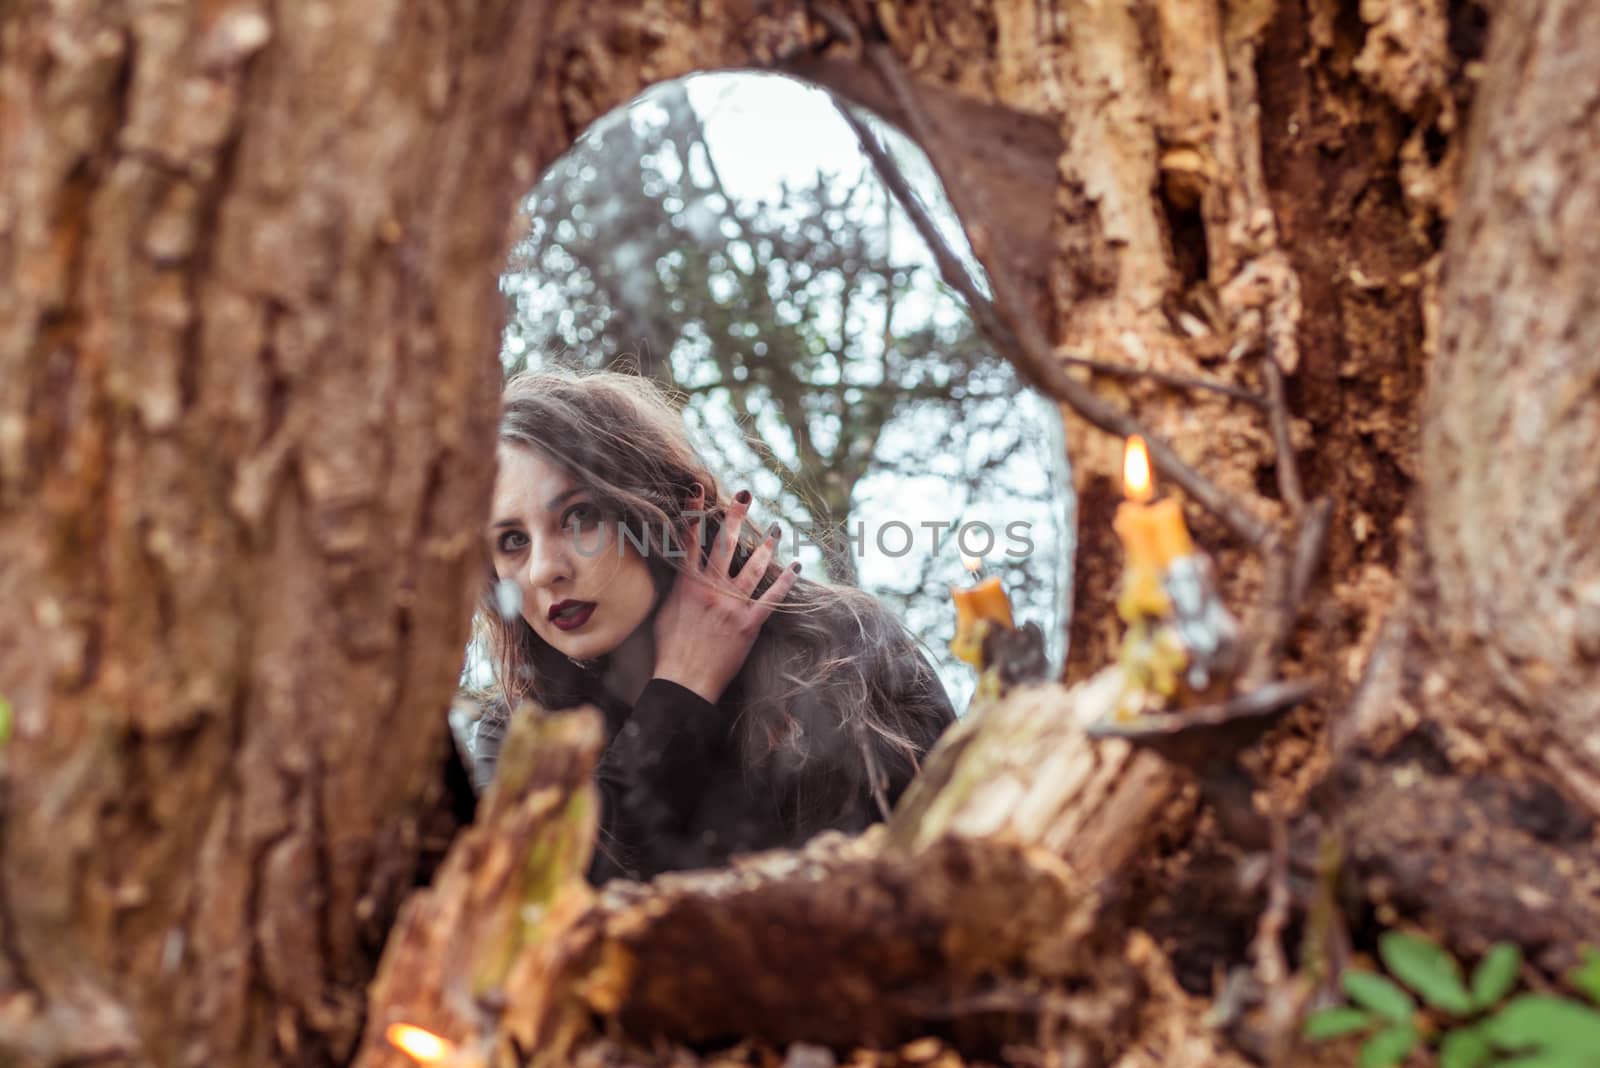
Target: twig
{"type": "Point", "coordinates": [1326, 941]}
{"type": "Point", "coordinates": [1282, 1002]}
{"type": "Point", "coordinates": [1278, 414]}
{"type": "Point", "coordinates": [1257, 704]}
{"type": "Point", "coordinates": [1208, 740]}
{"type": "Point", "coordinates": [1309, 547]}
{"type": "Point", "coordinates": [1274, 618]}
{"type": "Point", "coordinates": [1120, 370]}
{"type": "Point", "coordinates": [1271, 968]}
{"type": "Point", "coordinates": [1289, 570]}
{"type": "Point", "coordinates": [1031, 353]}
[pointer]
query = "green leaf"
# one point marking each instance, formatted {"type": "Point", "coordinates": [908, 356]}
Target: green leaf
{"type": "Point", "coordinates": [1425, 967]}
{"type": "Point", "coordinates": [1339, 1020]}
{"type": "Point", "coordinates": [1585, 978]}
{"type": "Point", "coordinates": [1465, 1048]}
{"type": "Point", "coordinates": [1550, 1059]}
{"type": "Point", "coordinates": [1388, 1048]}
{"type": "Point", "coordinates": [1544, 1023]}
{"type": "Point", "coordinates": [1495, 974]}
{"type": "Point", "coordinates": [1379, 995]}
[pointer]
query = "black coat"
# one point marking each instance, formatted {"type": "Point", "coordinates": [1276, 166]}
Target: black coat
{"type": "Point", "coordinates": [678, 793]}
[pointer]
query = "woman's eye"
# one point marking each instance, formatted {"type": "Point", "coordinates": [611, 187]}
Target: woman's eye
{"type": "Point", "coordinates": [511, 541]}
{"type": "Point", "coordinates": [580, 515]}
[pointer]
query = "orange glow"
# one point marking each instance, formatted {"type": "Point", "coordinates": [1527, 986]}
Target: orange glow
{"type": "Point", "coordinates": [424, 1047]}
{"type": "Point", "coordinates": [984, 603]}
{"type": "Point", "coordinates": [1136, 483]}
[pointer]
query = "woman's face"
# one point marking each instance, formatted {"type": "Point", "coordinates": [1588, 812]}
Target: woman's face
{"type": "Point", "coordinates": [584, 587]}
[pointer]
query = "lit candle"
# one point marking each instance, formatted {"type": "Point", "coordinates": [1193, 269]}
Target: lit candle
{"type": "Point", "coordinates": [1153, 535]}
{"type": "Point", "coordinates": [983, 603]}
{"type": "Point", "coordinates": [429, 1049]}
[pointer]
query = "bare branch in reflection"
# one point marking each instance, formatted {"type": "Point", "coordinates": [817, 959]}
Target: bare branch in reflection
{"type": "Point", "coordinates": [1021, 338]}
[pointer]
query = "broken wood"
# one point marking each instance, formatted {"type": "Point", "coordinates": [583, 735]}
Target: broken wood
{"type": "Point", "coordinates": [976, 914]}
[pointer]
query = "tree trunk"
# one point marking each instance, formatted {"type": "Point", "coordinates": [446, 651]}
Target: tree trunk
{"type": "Point", "coordinates": [1489, 681]}
{"type": "Point", "coordinates": [246, 396]}
{"type": "Point", "coordinates": [247, 366]}
{"type": "Point", "coordinates": [1511, 430]}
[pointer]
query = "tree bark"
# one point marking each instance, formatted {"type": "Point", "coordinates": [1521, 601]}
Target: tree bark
{"type": "Point", "coordinates": [979, 913]}
{"type": "Point", "coordinates": [1511, 522]}
{"type": "Point", "coordinates": [1471, 780]}
{"type": "Point", "coordinates": [247, 371]}
{"type": "Point", "coordinates": [246, 396]}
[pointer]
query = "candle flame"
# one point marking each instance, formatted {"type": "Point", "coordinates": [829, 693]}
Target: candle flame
{"type": "Point", "coordinates": [1136, 483]}
{"type": "Point", "coordinates": [424, 1047]}
{"type": "Point", "coordinates": [971, 563]}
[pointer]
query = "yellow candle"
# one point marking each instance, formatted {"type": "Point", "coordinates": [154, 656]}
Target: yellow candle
{"type": "Point", "coordinates": [1153, 534]}
{"type": "Point", "coordinates": [985, 603]}
{"type": "Point", "coordinates": [986, 600]}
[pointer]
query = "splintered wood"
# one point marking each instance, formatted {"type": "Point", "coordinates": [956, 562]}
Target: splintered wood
{"type": "Point", "coordinates": [973, 922]}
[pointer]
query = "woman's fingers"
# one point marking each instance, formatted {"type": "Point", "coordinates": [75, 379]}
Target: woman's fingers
{"type": "Point", "coordinates": [692, 532]}
{"type": "Point", "coordinates": [756, 566]}
{"type": "Point", "coordinates": [721, 562]}
{"type": "Point", "coordinates": [760, 608]}
{"type": "Point", "coordinates": [780, 588]}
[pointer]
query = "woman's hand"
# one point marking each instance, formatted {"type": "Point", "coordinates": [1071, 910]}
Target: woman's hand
{"type": "Point", "coordinates": [709, 620]}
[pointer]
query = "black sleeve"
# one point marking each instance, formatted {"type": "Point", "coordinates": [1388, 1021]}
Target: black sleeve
{"type": "Point", "coordinates": [652, 776]}
{"type": "Point", "coordinates": [664, 748]}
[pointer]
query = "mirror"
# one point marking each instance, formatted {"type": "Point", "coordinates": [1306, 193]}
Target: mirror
{"type": "Point", "coordinates": [726, 235]}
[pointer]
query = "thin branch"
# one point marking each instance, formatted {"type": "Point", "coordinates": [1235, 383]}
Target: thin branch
{"type": "Point", "coordinates": [1275, 616]}
{"type": "Point", "coordinates": [1261, 704]}
{"type": "Point", "coordinates": [763, 450]}
{"type": "Point", "coordinates": [1289, 570]}
{"type": "Point", "coordinates": [1282, 999]}
{"type": "Point", "coordinates": [1309, 547]}
{"type": "Point", "coordinates": [1271, 967]}
{"type": "Point", "coordinates": [1119, 370]}
{"type": "Point", "coordinates": [1028, 350]}
{"type": "Point", "coordinates": [1278, 413]}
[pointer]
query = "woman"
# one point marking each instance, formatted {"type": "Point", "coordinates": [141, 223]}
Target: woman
{"type": "Point", "coordinates": [746, 708]}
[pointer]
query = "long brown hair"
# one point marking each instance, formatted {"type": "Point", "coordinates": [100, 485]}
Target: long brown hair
{"type": "Point", "coordinates": [830, 667]}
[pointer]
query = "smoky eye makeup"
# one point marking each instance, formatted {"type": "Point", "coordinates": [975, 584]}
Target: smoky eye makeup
{"type": "Point", "coordinates": [581, 513]}
{"type": "Point", "coordinates": [510, 541]}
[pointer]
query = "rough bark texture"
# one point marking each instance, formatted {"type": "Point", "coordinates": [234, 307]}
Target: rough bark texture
{"type": "Point", "coordinates": [1511, 521]}
{"type": "Point", "coordinates": [1483, 698]}
{"type": "Point", "coordinates": [248, 324]}
{"type": "Point", "coordinates": [246, 380]}
{"type": "Point", "coordinates": [976, 918]}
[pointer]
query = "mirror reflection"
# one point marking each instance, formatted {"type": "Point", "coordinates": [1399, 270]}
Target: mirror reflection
{"type": "Point", "coordinates": [722, 321]}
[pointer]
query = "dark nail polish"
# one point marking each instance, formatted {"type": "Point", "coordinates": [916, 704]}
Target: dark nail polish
{"type": "Point", "coordinates": [774, 531]}
{"type": "Point", "coordinates": [795, 567]}
{"type": "Point", "coordinates": [743, 496]}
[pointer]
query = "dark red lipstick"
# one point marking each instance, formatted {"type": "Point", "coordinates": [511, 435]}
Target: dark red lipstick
{"type": "Point", "coordinates": [570, 615]}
